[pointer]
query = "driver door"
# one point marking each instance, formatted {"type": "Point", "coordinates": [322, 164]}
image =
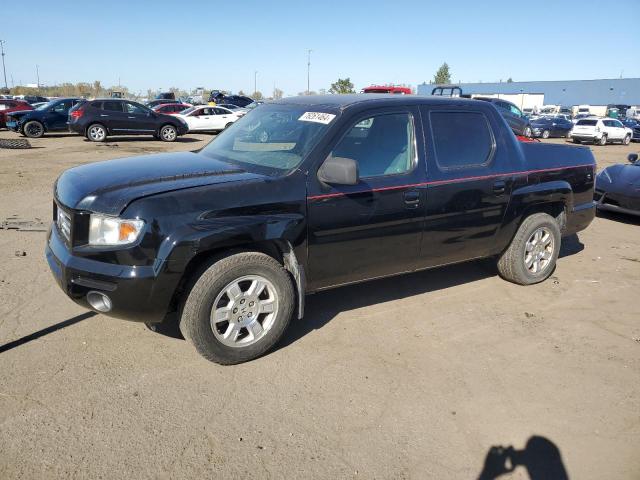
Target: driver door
{"type": "Point", "coordinates": [374, 228]}
{"type": "Point", "coordinates": [58, 117]}
{"type": "Point", "coordinates": [139, 119]}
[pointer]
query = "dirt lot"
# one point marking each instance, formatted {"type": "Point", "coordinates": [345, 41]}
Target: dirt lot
{"type": "Point", "coordinates": [411, 377]}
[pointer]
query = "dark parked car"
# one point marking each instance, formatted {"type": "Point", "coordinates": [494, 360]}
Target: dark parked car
{"type": "Point", "coordinates": [160, 101]}
{"type": "Point", "coordinates": [218, 97]}
{"type": "Point", "coordinates": [166, 96]}
{"type": "Point", "coordinates": [50, 117]}
{"type": "Point", "coordinates": [635, 126]}
{"type": "Point", "coordinates": [547, 127]}
{"type": "Point", "coordinates": [8, 106]}
{"type": "Point", "coordinates": [231, 237]}
{"type": "Point", "coordinates": [35, 99]}
{"type": "Point", "coordinates": [618, 187]}
{"type": "Point", "coordinates": [517, 120]}
{"type": "Point", "coordinates": [97, 119]}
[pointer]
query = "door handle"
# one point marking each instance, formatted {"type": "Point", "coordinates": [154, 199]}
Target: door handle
{"type": "Point", "coordinates": [103, 115]}
{"type": "Point", "coordinates": [499, 187]}
{"type": "Point", "coordinates": [131, 117]}
{"type": "Point", "coordinates": [412, 198]}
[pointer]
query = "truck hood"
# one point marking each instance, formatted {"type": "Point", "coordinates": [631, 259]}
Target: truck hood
{"type": "Point", "coordinates": [108, 187]}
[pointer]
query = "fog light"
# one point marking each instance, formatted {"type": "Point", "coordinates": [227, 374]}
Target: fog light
{"type": "Point", "coordinates": [99, 301]}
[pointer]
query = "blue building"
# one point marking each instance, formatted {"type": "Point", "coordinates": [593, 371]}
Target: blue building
{"type": "Point", "coordinates": [624, 91]}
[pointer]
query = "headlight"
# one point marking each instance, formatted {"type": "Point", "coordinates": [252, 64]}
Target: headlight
{"type": "Point", "coordinates": [113, 231]}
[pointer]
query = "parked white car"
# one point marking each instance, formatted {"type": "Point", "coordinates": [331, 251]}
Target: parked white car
{"type": "Point", "coordinates": [600, 131]}
{"type": "Point", "coordinates": [207, 119]}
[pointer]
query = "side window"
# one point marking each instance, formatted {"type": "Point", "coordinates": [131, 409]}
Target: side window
{"type": "Point", "coordinates": [515, 110]}
{"type": "Point", "coordinates": [112, 106]}
{"type": "Point", "coordinates": [618, 123]}
{"type": "Point", "coordinates": [382, 145]}
{"type": "Point", "coordinates": [62, 107]}
{"type": "Point", "coordinates": [449, 127]}
{"type": "Point", "coordinates": [132, 108]}
{"type": "Point", "coordinates": [220, 111]}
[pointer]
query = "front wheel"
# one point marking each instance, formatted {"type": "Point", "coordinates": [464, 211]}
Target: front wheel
{"type": "Point", "coordinates": [228, 125]}
{"type": "Point", "coordinates": [527, 132]}
{"type": "Point", "coordinates": [627, 140]}
{"type": "Point", "coordinates": [532, 254]}
{"type": "Point", "coordinates": [238, 308]}
{"type": "Point", "coordinates": [575, 140]}
{"type": "Point", "coordinates": [545, 134]}
{"type": "Point", "coordinates": [168, 133]}
{"type": "Point", "coordinates": [33, 129]}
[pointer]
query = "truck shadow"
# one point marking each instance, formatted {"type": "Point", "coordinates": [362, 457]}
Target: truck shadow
{"type": "Point", "coordinates": [541, 458]}
{"type": "Point", "coordinates": [619, 217]}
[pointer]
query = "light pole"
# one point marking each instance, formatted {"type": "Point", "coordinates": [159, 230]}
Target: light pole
{"type": "Point", "coordinates": [308, 69]}
{"type": "Point", "coordinates": [2, 42]}
{"type": "Point", "coordinates": [38, 75]}
{"type": "Point", "coordinates": [255, 81]}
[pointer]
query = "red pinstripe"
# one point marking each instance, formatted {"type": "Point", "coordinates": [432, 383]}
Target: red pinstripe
{"type": "Point", "coordinates": [443, 182]}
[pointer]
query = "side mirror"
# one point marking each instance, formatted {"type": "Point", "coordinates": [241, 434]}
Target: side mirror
{"type": "Point", "coordinates": [633, 157]}
{"type": "Point", "coordinates": [339, 171]}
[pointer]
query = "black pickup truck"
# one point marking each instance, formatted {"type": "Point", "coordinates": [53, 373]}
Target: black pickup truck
{"type": "Point", "coordinates": [306, 194]}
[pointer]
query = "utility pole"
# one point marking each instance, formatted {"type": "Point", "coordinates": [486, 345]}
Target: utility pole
{"type": "Point", "coordinates": [308, 69]}
{"type": "Point", "coordinates": [2, 42]}
{"type": "Point", "coordinates": [38, 75]}
{"type": "Point", "coordinates": [255, 81]}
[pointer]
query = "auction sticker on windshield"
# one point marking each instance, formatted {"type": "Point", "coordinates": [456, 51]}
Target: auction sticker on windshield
{"type": "Point", "coordinates": [317, 117]}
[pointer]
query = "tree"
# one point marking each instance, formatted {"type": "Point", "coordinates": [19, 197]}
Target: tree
{"type": "Point", "coordinates": [342, 86]}
{"type": "Point", "coordinates": [257, 95]}
{"type": "Point", "coordinates": [242, 93]}
{"type": "Point", "coordinates": [509, 80]}
{"type": "Point", "coordinates": [277, 93]}
{"type": "Point", "coordinates": [442, 76]}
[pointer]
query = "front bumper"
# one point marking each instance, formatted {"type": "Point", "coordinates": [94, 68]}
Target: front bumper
{"type": "Point", "coordinates": [137, 293]}
{"type": "Point", "coordinates": [618, 203]}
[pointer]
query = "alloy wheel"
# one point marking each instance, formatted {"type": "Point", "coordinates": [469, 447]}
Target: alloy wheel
{"type": "Point", "coordinates": [539, 250]}
{"type": "Point", "coordinates": [244, 311]}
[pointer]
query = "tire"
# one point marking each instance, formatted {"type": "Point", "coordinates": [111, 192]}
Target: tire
{"type": "Point", "coordinates": [527, 132]}
{"type": "Point", "coordinates": [232, 339]}
{"type": "Point", "coordinates": [168, 133]}
{"type": "Point", "coordinates": [513, 264]}
{"type": "Point", "coordinates": [545, 134]}
{"type": "Point", "coordinates": [575, 140]}
{"type": "Point", "coordinates": [568, 134]}
{"type": "Point", "coordinates": [603, 141]}
{"type": "Point", "coordinates": [627, 140]}
{"type": "Point", "coordinates": [33, 129]}
{"type": "Point", "coordinates": [228, 125]}
{"type": "Point", "coordinates": [97, 132]}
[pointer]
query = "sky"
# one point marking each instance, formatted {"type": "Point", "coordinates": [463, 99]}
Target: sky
{"type": "Point", "coordinates": [220, 44]}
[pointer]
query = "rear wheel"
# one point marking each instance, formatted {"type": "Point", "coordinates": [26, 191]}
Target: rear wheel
{"type": "Point", "coordinates": [527, 131]}
{"type": "Point", "coordinates": [545, 134]}
{"type": "Point", "coordinates": [228, 125]}
{"type": "Point", "coordinates": [627, 140]}
{"type": "Point", "coordinates": [569, 134]}
{"type": "Point", "coordinates": [33, 129]}
{"type": "Point", "coordinates": [575, 140]}
{"type": "Point", "coordinates": [532, 254]}
{"type": "Point", "coordinates": [97, 132]}
{"type": "Point", "coordinates": [168, 133]}
{"type": "Point", "coordinates": [603, 140]}
{"type": "Point", "coordinates": [238, 308]}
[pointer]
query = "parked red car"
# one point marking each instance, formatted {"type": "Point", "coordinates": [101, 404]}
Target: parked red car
{"type": "Point", "coordinates": [9, 106]}
{"type": "Point", "coordinates": [387, 89]}
{"type": "Point", "coordinates": [171, 108]}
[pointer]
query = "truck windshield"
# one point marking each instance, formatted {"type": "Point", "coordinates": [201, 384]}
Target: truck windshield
{"type": "Point", "coordinates": [272, 139]}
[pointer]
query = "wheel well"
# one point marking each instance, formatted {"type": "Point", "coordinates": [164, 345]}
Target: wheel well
{"type": "Point", "coordinates": [204, 260]}
{"type": "Point", "coordinates": [556, 209]}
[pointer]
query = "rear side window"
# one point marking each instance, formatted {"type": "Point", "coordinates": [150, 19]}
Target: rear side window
{"type": "Point", "coordinates": [461, 139]}
{"type": "Point", "coordinates": [588, 123]}
{"type": "Point", "coordinates": [112, 106]}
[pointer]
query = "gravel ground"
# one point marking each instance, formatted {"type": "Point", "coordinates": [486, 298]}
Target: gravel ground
{"type": "Point", "coordinates": [410, 377]}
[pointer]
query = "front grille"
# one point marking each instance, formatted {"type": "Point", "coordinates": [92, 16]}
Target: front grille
{"type": "Point", "coordinates": [63, 222]}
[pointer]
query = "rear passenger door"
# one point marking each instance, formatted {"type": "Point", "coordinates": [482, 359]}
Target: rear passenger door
{"type": "Point", "coordinates": [112, 116]}
{"type": "Point", "coordinates": [470, 182]}
{"type": "Point", "coordinates": [372, 229]}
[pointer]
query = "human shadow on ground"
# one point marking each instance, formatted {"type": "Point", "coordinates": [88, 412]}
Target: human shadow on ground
{"type": "Point", "coordinates": [541, 458]}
